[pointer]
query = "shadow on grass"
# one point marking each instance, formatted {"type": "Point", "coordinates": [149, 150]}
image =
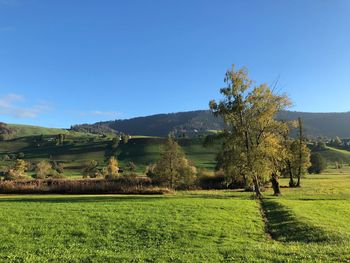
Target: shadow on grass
{"type": "Point", "coordinates": [81, 199]}
{"type": "Point", "coordinates": [284, 226]}
{"type": "Point", "coordinates": [109, 198]}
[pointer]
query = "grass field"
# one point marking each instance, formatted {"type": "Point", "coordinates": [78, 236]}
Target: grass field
{"type": "Point", "coordinates": [308, 224]}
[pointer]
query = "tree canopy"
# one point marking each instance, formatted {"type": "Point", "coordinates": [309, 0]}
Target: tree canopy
{"type": "Point", "coordinates": [253, 146]}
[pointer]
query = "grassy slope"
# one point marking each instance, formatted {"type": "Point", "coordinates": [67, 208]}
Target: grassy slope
{"type": "Point", "coordinates": [201, 226]}
{"type": "Point", "coordinates": [79, 149]}
{"type": "Point", "coordinates": [336, 155]}
{"type": "Point", "coordinates": [141, 150]}
{"type": "Point", "coordinates": [30, 130]}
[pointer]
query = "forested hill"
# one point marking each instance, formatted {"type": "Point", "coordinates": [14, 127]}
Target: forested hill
{"type": "Point", "coordinates": [196, 122]}
{"type": "Point", "coordinates": [191, 122]}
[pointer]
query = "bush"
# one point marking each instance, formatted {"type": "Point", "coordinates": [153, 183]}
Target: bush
{"type": "Point", "coordinates": [58, 167]}
{"type": "Point", "coordinates": [131, 167]}
{"type": "Point", "coordinates": [42, 170]}
{"type": "Point", "coordinates": [208, 180]}
{"type": "Point", "coordinates": [12, 174]}
{"type": "Point", "coordinates": [17, 171]}
{"type": "Point", "coordinates": [318, 164]}
{"type": "Point", "coordinates": [112, 169]}
{"type": "Point", "coordinates": [20, 155]}
{"type": "Point", "coordinates": [173, 169]}
{"type": "Point", "coordinates": [90, 169]}
{"type": "Point", "coordinates": [120, 185]}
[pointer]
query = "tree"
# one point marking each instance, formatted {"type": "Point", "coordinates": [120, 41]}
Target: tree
{"type": "Point", "coordinates": [319, 146]}
{"type": "Point", "coordinates": [18, 170]}
{"type": "Point", "coordinates": [115, 143]}
{"type": "Point", "coordinates": [6, 132]}
{"type": "Point", "coordinates": [90, 169]}
{"type": "Point", "coordinates": [298, 156]}
{"type": "Point", "coordinates": [42, 169]}
{"type": "Point", "coordinates": [337, 141]}
{"type": "Point", "coordinates": [252, 136]}
{"type": "Point", "coordinates": [112, 170]}
{"type": "Point", "coordinates": [60, 139]}
{"type": "Point", "coordinates": [173, 169]}
{"type": "Point", "coordinates": [125, 138]}
{"type": "Point", "coordinates": [130, 166]}
{"type": "Point", "coordinates": [318, 163]}
{"type": "Point", "coordinates": [58, 167]}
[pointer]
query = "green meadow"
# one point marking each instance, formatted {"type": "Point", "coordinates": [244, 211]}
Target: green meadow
{"type": "Point", "coordinates": [307, 224]}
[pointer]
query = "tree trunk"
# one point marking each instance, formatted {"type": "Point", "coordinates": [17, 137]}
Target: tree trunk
{"type": "Point", "coordinates": [275, 184]}
{"type": "Point", "coordinates": [300, 150]}
{"type": "Point", "coordinates": [298, 182]}
{"type": "Point", "coordinates": [257, 187]}
{"type": "Point", "coordinates": [245, 182]}
{"type": "Point", "coordinates": [291, 179]}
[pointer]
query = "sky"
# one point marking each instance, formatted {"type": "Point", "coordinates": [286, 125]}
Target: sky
{"type": "Point", "coordinates": [65, 62]}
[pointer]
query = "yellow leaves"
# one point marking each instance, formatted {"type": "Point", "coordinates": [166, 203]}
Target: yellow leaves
{"type": "Point", "coordinates": [256, 141]}
{"type": "Point", "coordinates": [112, 168]}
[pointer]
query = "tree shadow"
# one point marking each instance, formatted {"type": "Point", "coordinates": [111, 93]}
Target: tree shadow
{"type": "Point", "coordinates": [80, 198]}
{"type": "Point", "coordinates": [284, 226]}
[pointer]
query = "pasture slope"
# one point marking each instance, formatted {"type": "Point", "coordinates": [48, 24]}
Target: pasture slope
{"type": "Point", "coordinates": [308, 224]}
{"type": "Point", "coordinates": [81, 148]}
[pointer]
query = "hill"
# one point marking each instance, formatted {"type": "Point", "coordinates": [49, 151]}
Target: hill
{"type": "Point", "coordinates": [77, 150]}
{"type": "Point", "coordinates": [81, 148]}
{"type": "Point", "coordinates": [29, 130]}
{"type": "Point", "coordinates": [190, 123]}
{"type": "Point", "coordinates": [197, 122]}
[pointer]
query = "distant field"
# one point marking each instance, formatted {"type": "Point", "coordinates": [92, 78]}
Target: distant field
{"type": "Point", "coordinates": [306, 224]}
{"type": "Point", "coordinates": [336, 155]}
{"type": "Point", "coordinates": [29, 130]}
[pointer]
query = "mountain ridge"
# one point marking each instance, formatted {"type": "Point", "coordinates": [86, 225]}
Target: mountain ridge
{"type": "Point", "coordinates": [190, 123]}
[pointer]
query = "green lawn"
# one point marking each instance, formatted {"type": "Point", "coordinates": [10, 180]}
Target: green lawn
{"type": "Point", "coordinates": [308, 224]}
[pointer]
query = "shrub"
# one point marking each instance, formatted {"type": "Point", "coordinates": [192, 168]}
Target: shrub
{"type": "Point", "coordinates": [17, 171]}
{"type": "Point", "coordinates": [173, 169]}
{"type": "Point", "coordinates": [58, 167]}
{"type": "Point", "coordinates": [90, 169]}
{"type": "Point", "coordinates": [208, 180]}
{"type": "Point", "coordinates": [318, 164]}
{"type": "Point", "coordinates": [112, 170]}
{"type": "Point", "coordinates": [20, 155]}
{"type": "Point", "coordinates": [131, 167]}
{"type": "Point", "coordinates": [120, 185]}
{"type": "Point", "coordinates": [8, 158]}
{"type": "Point", "coordinates": [43, 169]}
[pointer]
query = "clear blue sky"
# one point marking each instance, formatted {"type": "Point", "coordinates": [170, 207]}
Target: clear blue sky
{"type": "Point", "coordinates": [64, 62]}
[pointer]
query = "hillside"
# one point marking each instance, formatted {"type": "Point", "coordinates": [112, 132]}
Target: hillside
{"type": "Point", "coordinates": [197, 122]}
{"type": "Point", "coordinates": [29, 130]}
{"type": "Point", "coordinates": [80, 148]}
{"type": "Point", "coordinates": [77, 150]}
{"type": "Point", "coordinates": [190, 123]}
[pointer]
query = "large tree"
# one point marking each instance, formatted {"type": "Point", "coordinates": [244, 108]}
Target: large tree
{"type": "Point", "coordinates": [252, 138]}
